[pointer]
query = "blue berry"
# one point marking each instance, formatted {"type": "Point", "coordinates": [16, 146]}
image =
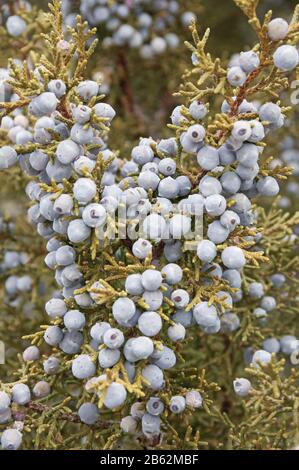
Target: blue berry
{"type": "Point", "coordinates": [166, 359]}
{"type": "Point", "coordinates": [15, 25]}
{"type": "Point", "coordinates": [108, 357]}
{"type": "Point", "coordinates": [180, 298]}
{"type": "Point", "coordinates": [173, 273]}
{"type": "Point", "coordinates": [177, 404]}
{"type": "Point", "coordinates": [128, 425]}
{"type": "Point", "coordinates": [194, 399]}
{"type": "Point", "coordinates": [278, 29]}
{"type": "Point", "coordinates": [233, 257]}
{"type": "Point", "coordinates": [104, 110]}
{"type": "Point", "coordinates": [82, 134]}
{"type": "Point", "coordinates": [150, 425]}
{"type": "Point", "coordinates": [123, 309]}
{"type": "Point", "coordinates": [206, 251]}
{"type": "Point", "coordinates": [53, 335]}
{"type": "Point", "coordinates": [176, 332]}
{"type": "Point", "coordinates": [98, 330]}
{"type": "Point", "coordinates": [65, 255]}
{"type": "Point", "coordinates": [168, 147]}
{"type": "Point", "coordinates": [77, 231]}
{"type": "Point", "coordinates": [154, 227]}
{"type": "Point", "coordinates": [21, 394]}
{"type": "Point", "coordinates": [115, 395]}
{"type": "Point", "coordinates": [198, 110]}
{"type": "Point", "coordinates": [261, 357]}
{"type": "Point", "coordinates": [8, 157]}
{"type": "Point", "coordinates": [268, 186]}
{"type": "Point", "coordinates": [168, 188]}
{"type": "Point", "coordinates": [242, 387]}
{"type": "Point", "coordinates": [142, 154]}
{"type": "Point", "coordinates": [230, 220]}
{"type": "Point", "coordinates": [217, 233]}
{"type": "Point", "coordinates": [229, 322]}
{"type": "Point", "coordinates": [141, 347]}
{"type": "Point", "coordinates": [113, 338]}
{"type": "Point", "coordinates": [150, 323]}
{"type": "Point", "coordinates": [286, 58]}
{"type": "Point", "coordinates": [183, 318]}
{"type": "Point", "coordinates": [179, 226]}
{"type": "Point", "coordinates": [167, 166]}
{"type": "Point", "coordinates": [271, 345]}
{"type": "Point", "coordinates": [215, 205]}
{"type": "Point", "coordinates": [83, 367]}
{"type": "Point", "coordinates": [88, 413]}
{"type": "Point", "coordinates": [154, 376]}
{"type": "Point", "coordinates": [31, 353]}
{"type": "Point", "coordinates": [44, 104]}
{"type": "Point", "coordinates": [270, 112]}
{"type": "Point", "coordinates": [249, 61]}
{"type": "Point", "coordinates": [289, 344]}
{"type": "Point", "coordinates": [4, 402]}
{"type": "Point", "coordinates": [134, 285]}
{"type": "Point", "coordinates": [57, 87]}
{"type": "Point", "coordinates": [87, 89]}
{"type": "Point", "coordinates": [209, 186]}
{"type": "Point", "coordinates": [230, 182]}
{"type": "Point", "coordinates": [256, 290]}
{"type": "Point", "coordinates": [208, 158]}
{"type": "Point", "coordinates": [94, 215]}
{"type": "Point", "coordinates": [11, 439]}
{"type": "Point", "coordinates": [236, 77]}
{"type": "Point", "coordinates": [67, 151]}
{"type": "Point", "coordinates": [51, 365]}
{"type": "Point", "coordinates": [74, 320]}
{"type": "Point", "coordinates": [154, 406]}
{"type": "Point", "coordinates": [41, 389]}
{"type": "Point", "coordinates": [56, 308]}
{"type": "Point", "coordinates": [205, 315]}
{"type": "Point", "coordinates": [268, 303]}
{"type": "Point", "coordinates": [71, 342]}
{"type": "Point", "coordinates": [241, 130]}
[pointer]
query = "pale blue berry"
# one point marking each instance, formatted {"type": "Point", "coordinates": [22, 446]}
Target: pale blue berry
{"type": "Point", "coordinates": [278, 29]}
{"type": "Point", "coordinates": [236, 77]}
{"type": "Point", "coordinates": [176, 332]}
{"type": "Point", "coordinates": [15, 25]}
{"type": "Point", "coordinates": [83, 367]}
{"type": "Point", "coordinates": [261, 357]}
{"type": "Point", "coordinates": [286, 58]}
{"type": "Point", "coordinates": [177, 404]}
{"type": "Point", "coordinates": [208, 158]}
{"type": "Point", "coordinates": [242, 387]}
{"type": "Point", "coordinates": [115, 395]}
{"type": "Point", "coordinates": [233, 257]}
{"type": "Point", "coordinates": [150, 323]}
{"type": "Point", "coordinates": [206, 251]}
{"type": "Point", "coordinates": [249, 61]}
{"type": "Point", "coordinates": [88, 413]}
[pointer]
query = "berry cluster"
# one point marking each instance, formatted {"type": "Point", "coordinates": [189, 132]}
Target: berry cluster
{"type": "Point", "coordinates": [143, 25]}
{"type": "Point", "coordinates": [11, 438]}
{"type": "Point", "coordinates": [285, 58]}
{"type": "Point", "coordinates": [146, 418]}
